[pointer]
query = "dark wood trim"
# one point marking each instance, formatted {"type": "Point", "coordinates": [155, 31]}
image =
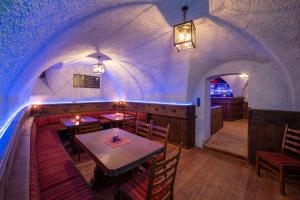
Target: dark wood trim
{"type": "Point", "coordinates": [266, 129]}
{"type": "Point", "coordinates": [232, 107]}
{"type": "Point", "coordinates": [180, 117]}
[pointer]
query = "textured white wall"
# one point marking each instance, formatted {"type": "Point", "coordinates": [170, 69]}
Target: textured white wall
{"type": "Point", "coordinates": [58, 85]}
{"type": "Point", "coordinates": [137, 35]}
{"type": "Point", "coordinates": [238, 85]}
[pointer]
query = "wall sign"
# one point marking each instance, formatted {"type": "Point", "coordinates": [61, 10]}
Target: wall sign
{"type": "Point", "coordinates": [85, 81]}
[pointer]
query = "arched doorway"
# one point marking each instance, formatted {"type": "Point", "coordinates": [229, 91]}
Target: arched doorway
{"type": "Point", "coordinates": [229, 111]}
{"type": "Point", "coordinates": [270, 88]}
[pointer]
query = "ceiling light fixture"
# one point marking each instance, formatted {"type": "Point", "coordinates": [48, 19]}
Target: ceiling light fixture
{"type": "Point", "coordinates": [99, 67]}
{"type": "Point", "coordinates": [184, 33]}
{"type": "Point", "coordinates": [243, 75]}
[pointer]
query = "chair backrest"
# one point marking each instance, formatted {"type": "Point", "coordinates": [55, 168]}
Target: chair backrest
{"type": "Point", "coordinates": [129, 122]}
{"type": "Point", "coordinates": [88, 128]}
{"type": "Point", "coordinates": [291, 140]}
{"type": "Point", "coordinates": [162, 177]}
{"type": "Point", "coordinates": [142, 128]}
{"type": "Point", "coordinates": [159, 133]}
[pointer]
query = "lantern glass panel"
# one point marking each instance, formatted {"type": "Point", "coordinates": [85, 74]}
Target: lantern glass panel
{"type": "Point", "coordinates": [184, 35]}
{"type": "Point", "coordinates": [98, 69]}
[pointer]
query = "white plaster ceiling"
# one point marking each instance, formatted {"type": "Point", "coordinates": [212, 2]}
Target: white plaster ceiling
{"type": "Point", "coordinates": [137, 36]}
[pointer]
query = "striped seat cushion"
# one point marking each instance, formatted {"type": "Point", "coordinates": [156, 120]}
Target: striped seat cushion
{"type": "Point", "coordinates": [278, 159]}
{"type": "Point", "coordinates": [55, 176]}
{"type": "Point", "coordinates": [74, 189]}
{"type": "Point", "coordinates": [158, 158]}
{"type": "Point", "coordinates": [136, 188]}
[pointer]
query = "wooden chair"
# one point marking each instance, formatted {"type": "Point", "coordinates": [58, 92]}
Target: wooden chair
{"type": "Point", "coordinates": [160, 134]}
{"type": "Point", "coordinates": [279, 163]}
{"type": "Point", "coordinates": [157, 184]}
{"type": "Point", "coordinates": [142, 128]}
{"type": "Point", "coordinates": [129, 122]}
{"type": "Point", "coordinates": [86, 128]}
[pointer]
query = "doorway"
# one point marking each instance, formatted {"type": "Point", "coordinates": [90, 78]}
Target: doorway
{"type": "Point", "coordinates": [229, 111]}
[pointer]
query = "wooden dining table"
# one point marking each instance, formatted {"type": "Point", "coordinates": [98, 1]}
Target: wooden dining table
{"type": "Point", "coordinates": [72, 122]}
{"type": "Point", "coordinates": [115, 118]}
{"type": "Point", "coordinates": [113, 161]}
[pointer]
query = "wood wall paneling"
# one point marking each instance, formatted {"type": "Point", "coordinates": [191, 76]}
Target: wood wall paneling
{"type": "Point", "coordinates": [266, 128]}
{"type": "Point", "coordinates": [216, 119]}
{"type": "Point", "coordinates": [232, 107]}
{"type": "Point", "coordinates": [180, 117]}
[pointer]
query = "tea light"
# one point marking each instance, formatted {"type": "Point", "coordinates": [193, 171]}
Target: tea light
{"type": "Point", "coordinates": [77, 117]}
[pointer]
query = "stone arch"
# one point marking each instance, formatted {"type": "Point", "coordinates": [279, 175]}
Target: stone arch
{"type": "Point", "coordinates": [268, 89]}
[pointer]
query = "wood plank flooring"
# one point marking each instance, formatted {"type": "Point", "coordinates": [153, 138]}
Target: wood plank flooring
{"type": "Point", "coordinates": [232, 138]}
{"type": "Point", "coordinates": [210, 175]}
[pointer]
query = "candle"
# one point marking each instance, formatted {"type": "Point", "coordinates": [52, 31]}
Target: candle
{"type": "Point", "coordinates": [77, 117]}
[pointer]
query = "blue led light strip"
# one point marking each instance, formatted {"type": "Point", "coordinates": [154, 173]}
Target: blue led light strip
{"type": "Point", "coordinates": [8, 122]}
{"type": "Point", "coordinates": [100, 101]}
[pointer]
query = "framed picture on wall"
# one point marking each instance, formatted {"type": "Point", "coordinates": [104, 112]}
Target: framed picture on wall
{"type": "Point", "coordinates": [85, 81]}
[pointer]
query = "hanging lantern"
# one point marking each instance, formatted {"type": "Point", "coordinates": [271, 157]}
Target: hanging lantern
{"type": "Point", "coordinates": [184, 33]}
{"type": "Point", "coordinates": [99, 67]}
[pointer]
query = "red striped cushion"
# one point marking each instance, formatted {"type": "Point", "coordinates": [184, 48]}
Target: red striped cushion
{"type": "Point", "coordinates": [51, 167]}
{"type": "Point", "coordinates": [159, 158]}
{"type": "Point", "coordinates": [53, 119]}
{"type": "Point", "coordinates": [137, 188]}
{"type": "Point", "coordinates": [74, 189]}
{"type": "Point", "coordinates": [278, 159]}
{"type": "Point", "coordinates": [41, 121]}
{"type": "Point", "coordinates": [142, 116]}
{"type": "Point", "coordinates": [56, 176]}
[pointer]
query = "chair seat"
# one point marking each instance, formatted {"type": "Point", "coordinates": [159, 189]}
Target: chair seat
{"type": "Point", "coordinates": [278, 159]}
{"type": "Point", "coordinates": [158, 158]}
{"type": "Point", "coordinates": [136, 188]}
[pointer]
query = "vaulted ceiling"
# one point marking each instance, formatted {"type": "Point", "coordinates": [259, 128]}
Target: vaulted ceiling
{"type": "Point", "coordinates": [137, 35]}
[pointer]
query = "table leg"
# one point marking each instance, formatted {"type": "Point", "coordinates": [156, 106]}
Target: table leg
{"type": "Point", "coordinates": [98, 179]}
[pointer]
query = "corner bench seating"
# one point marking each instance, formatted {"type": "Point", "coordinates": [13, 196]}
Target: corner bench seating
{"type": "Point", "coordinates": [52, 121]}
{"type": "Point", "coordinates": [53, 174]}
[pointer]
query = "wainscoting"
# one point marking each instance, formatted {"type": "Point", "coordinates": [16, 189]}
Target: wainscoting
{"type": "Point", "coordinates": [266, 128]}
{"type": "Point", "coordinates": [180, 117]}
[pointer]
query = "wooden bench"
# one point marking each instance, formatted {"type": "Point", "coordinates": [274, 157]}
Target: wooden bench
{"type": "Point", "coordinates": [52, 121]}
{"type": "Point", "coordinates": [53, 174]}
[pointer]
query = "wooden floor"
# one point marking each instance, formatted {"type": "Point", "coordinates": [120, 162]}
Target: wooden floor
{"type": "Point", "coordinates": [210, 175]}
{"type": "Point", "coordinates": [232, 138]}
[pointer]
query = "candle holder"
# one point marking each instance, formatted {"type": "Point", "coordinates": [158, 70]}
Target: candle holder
{"type": "Point", "coordinates": [115, 138]}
